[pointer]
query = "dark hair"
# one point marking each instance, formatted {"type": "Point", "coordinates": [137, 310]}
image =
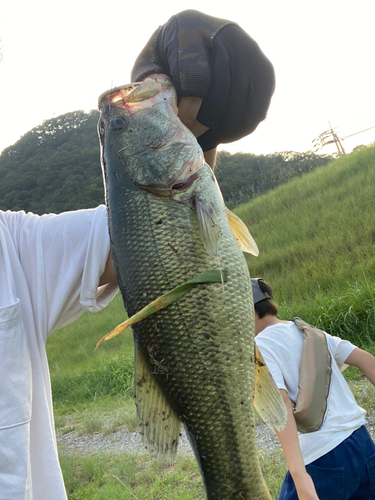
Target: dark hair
{"type": "Point", "coordinates": [265, 307]}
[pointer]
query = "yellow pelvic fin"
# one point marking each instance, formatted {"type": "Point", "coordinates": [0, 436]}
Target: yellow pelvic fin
{"type": "Point", "coordinates": [159, 424]}
{"type": "Point", "coordinates": [242, 234]}
{"type": "Point", "coordinates": [267, 398]}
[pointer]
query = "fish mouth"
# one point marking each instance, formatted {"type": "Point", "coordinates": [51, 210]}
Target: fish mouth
{"type": "Point", "coordinates": [134, 96]}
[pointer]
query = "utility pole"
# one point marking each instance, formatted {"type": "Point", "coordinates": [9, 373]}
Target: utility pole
{"type": "Point", "coordinates": [328, 137]}
{"type": "Point", "coordinates": [340, 149]}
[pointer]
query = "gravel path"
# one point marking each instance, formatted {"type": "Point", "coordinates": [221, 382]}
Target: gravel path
{"type": "Point", "coordinates": [130, 442]}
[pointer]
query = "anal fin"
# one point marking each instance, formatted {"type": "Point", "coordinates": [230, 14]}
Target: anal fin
{"type": "Point", "coordinates": [159, 424]}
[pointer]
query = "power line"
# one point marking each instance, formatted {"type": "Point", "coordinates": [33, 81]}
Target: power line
{"type": "Point", "coordinates": [365, 116]}
{"type": "Point", "coordinates": [356, 133]}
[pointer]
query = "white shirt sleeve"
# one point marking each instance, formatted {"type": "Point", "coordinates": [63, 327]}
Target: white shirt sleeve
{"type": "Point", "coordinates": [63, 257]}
{"type": "Point", "coordinates": [340, 348]}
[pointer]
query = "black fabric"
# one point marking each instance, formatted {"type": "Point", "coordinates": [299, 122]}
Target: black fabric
{"type": "Point", "coordinates": [218, 61]}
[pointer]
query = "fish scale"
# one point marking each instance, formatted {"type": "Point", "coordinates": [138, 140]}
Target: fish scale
{"type": "Point", "coordinates": [199, 350]}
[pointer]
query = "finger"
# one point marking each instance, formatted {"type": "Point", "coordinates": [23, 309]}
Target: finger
{"type": "Point", "coordinates": [188, 108]}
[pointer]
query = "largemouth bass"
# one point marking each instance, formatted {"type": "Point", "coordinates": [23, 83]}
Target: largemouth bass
{"type": "Point", "coordinates": [170, 230]}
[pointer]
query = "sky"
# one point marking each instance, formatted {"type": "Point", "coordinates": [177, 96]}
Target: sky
{"type": "Point", "coordinates": [59, 57]}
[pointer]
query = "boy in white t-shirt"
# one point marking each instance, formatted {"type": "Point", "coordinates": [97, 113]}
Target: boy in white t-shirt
{"type": "Point", "coordinates": [336, 461]}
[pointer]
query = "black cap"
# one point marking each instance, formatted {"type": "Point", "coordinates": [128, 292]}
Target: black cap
{"type": "Point", "coordinates": [258, 295]}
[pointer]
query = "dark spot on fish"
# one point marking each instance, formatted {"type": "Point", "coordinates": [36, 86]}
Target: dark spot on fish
{"type": "Point", "coordinates": [241, 403]}
{"type": "Point", "coordinates": [141, 382]}
{"type": "Point", "coordinates": [159, 368]}
{"type": "Point", "coordinates": [172, 247]}
{"type": "Point", "coordinates": [159, 222]}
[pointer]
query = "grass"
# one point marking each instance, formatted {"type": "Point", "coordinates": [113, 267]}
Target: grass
{"type": "Point", "coordinates": [316, 233]}
{"type": "Point", "coordinates": [125, 476]}
{"type": "Point", "coordinates": [349, 314]}
{"type": "Point", "coordinates": [129, 477]}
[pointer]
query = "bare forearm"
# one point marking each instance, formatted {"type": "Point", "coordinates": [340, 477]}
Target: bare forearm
{"type": "Point", "coordinates": [289, 442]}
{"type": "Point", "coordinates": [364, 361]}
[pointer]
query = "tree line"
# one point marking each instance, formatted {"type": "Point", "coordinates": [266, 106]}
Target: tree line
{"type": "Point", "coordinates": [56, 167]}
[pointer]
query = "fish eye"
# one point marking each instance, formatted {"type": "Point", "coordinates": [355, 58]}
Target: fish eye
{"type": "Point", "coordinates": [117, 124]}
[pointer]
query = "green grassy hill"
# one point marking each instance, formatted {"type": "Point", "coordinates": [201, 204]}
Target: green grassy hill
{"type": "Point", "coordinates": [316, 237]}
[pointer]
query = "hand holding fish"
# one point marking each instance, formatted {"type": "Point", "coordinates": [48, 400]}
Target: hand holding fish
{"type": "Point", "coordinates": [217, 62]}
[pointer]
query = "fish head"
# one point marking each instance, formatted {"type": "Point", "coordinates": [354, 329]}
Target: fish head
{"type": "Point", "coordinates": [139, 123]}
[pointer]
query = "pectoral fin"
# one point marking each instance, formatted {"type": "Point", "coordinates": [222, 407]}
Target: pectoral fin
{"type": "Point", "coordinates": [242, 234]}
{"type": "Point", "coordinates": [208, 225]}
{"type": "Point", "coordinates": [267, 398]}
{"type": "Point", "coordinates": [159, 424]}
